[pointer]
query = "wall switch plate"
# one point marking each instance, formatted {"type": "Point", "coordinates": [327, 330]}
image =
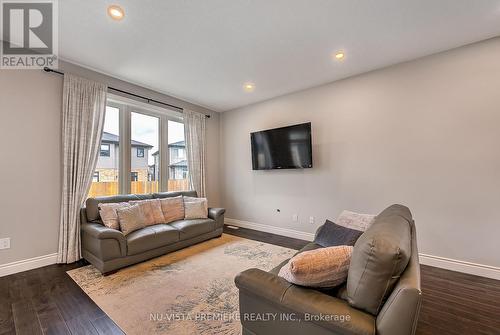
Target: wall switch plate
{"type": "Point", "coordinates": [295, 217]}
{"type": "Point", "coordinates": [311, 219]}
{"type": "Point", "coordinates": [5, 243]}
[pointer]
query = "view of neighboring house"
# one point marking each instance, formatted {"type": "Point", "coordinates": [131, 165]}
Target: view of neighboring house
{"type": "Point", "coordinates": [108, 162]}
{"type": "Point", "coordinates": [177, 168]}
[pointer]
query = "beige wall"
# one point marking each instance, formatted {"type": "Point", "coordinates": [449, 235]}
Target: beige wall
{"type": "Point", "coordinates": [424, 133]}
{"type": "Point", "coordinates": [30, 172]}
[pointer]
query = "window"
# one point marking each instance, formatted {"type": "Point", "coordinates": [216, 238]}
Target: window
{"type": "Point", "coordinates": [149, 156]}
{"type": "Point", "coordinates": [105, 179]}
{"type": "Point", "coordinates": [145, 137]}
{"type": "Point", "coordinates": [105, 150]}
{"type": "Point", "coordinates": [178, 170]}
{"type": "Point", "coordinates": [140, 152]}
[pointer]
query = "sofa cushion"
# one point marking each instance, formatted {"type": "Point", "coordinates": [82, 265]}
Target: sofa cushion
{"type": "Point", "coordinates": [152, 211]}
{"type": "Point", "coordinates": [92, 204]}
{"type": "Point", "coordinates": [379, 257]}
{"type": "Point", "coordinates": [195, 208]}
{"type": "Point", "coordinates": [192, 228]}
{"type": "Point", "coordinates": [355, 220]}
{"type": "Point", "coordinates": [150, 238]}
{"type": "Point", "coordinates": [323, 267]}
{"type": "Point", "coordinates": [172, 208]}
{"type": "Point", "coordinates": [331, 234]}
{"type": "Point", "coordinates": [108, 214]}
{"type": "Point", "coordinates": [131, 218]}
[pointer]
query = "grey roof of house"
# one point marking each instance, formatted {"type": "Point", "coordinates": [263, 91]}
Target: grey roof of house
{"type": "Point", "coordinates": [180, 163]}
{"type": "Point", "coordinates": [180, 144]}
{"type": "Point", "coordinates": [112, 138]}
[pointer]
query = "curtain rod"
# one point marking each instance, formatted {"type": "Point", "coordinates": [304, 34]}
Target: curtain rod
{"type": "Point", "coordinates": [47, 69]}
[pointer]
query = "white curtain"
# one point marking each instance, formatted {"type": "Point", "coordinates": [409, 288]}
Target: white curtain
{"type": "Point", "coordinates": [194, 130]}
{"type": "Point", "coordinates": [84, 106]}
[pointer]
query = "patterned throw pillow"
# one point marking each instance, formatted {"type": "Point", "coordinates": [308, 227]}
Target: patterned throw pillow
{"type": "Point", "coordinates": [152, 211]}
{"type": "Point", "coordinates": [108, 214]}
{"type": "Point", "coordinates": [172, 208]}
{"type": "Point", "coordinates": [195, 208]}
{"type": "Point", "coordinates": [131, 218]}
{"type": "Point", "coordinates": [324, 267]}
{"type": "Point", "coordinates": [355, 220]}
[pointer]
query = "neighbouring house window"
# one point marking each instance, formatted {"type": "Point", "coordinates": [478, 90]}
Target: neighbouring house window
{"type": "Point", "coordinates": [95, 177]}
{"type": "Point", "coordinates": [140, 152]}
{"type": "Point", "coordinates": [105, 150]}
{"type": "Point", "coordinates": [135, 176]}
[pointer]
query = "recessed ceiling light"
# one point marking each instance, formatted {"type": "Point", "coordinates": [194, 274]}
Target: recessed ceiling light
{"type": "Point", "coordinates": [249, 87]}
{"type": "Point", "coordinates": [116, 12]}
{"type": "Point", "coordinates": [339, 55]}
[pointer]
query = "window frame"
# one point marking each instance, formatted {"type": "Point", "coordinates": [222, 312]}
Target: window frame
{"type": "Point", "coordinates": [108, 150]}
{"type": "Point", "coordinates": [140, 149]}
{"type": "Point", "coordinates": [126, 107]}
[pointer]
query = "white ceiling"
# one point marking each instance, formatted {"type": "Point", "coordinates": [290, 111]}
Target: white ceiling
{"type": "Point", "coordinates": [204, 50]}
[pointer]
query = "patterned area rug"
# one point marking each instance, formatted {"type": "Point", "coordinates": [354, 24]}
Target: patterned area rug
{"type": "Point", "coordinates": [190, 291]}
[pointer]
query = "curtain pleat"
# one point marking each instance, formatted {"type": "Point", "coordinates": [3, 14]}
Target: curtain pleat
{"type": "Point", "coordinates": [84, 107]}
{"type": "Point", "coordinates": [195, 130]}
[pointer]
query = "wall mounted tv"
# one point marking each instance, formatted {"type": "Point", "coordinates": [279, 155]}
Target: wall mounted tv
{"type": "Point", "coordinates": [282, 148]}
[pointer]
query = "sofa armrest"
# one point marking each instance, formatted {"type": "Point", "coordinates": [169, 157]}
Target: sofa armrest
{"type": "Point", "coordinates": [99, 231]}
{"type": "Point", "coordinates": [217, 214]}
{"type": "Point", "coordinates": [103, 242]}
{"type": "Point", "coordinates": [311, 305]}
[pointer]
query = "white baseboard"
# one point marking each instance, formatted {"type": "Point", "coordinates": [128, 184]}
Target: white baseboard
{"type": "Point", "coordinates": [271, 229]}
{"type": "Point", "coordinates": [436, 261]}
{"type": "Point", "coordinates": [27, 264]}
{"type": "Point", "coordinates": [461, 266]}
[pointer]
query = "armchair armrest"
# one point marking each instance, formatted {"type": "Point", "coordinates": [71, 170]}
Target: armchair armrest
{"type": "Point", "coordinates": [217, 214]}
{"type": "Point", "coordinates": [311, 305]}
{"type": "Point", "coordinates": [103, 242]}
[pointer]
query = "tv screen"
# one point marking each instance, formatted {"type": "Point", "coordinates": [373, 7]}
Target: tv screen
{"type": "Point", "coordinates": [282, 148]}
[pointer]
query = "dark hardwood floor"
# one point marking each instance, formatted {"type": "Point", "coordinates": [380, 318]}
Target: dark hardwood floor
{"type": "Point", "coordinates": [48, 301]}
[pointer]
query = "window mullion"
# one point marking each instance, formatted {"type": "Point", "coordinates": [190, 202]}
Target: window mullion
{"type": "Point", "coordinates": [125, 150]}
{"type": "Point", "coordinates": [164, 159]}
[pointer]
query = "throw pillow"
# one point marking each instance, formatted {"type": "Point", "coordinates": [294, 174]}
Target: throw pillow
{"type": "Point", "coordinates": [195, 208]}
{"type": "Point", "coordinates": [331, 234]}
{"type": "Point", "coordinates": [131, 218]}
{"type": "Point", "coordinates": [108, 214]}
{"type": "Point", "coordinates": [354, 220]}
{"type": "Point", "coordinates": [323, 267]}
{"type": "Point", "coordinates": [172, 208]}
{"type": "Point", "coordinates": [152, 211]}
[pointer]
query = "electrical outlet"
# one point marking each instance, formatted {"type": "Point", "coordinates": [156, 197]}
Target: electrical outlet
{"type": "Point", "coordinates": [5, 243]}
{"type": "Point", "coordinates": [295, 217]}
{"type": "Point", "coordinates": [311, 219]}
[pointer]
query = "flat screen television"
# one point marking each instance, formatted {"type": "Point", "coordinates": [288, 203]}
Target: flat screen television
{"type": "Point", "coordinates": [282, 148]}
